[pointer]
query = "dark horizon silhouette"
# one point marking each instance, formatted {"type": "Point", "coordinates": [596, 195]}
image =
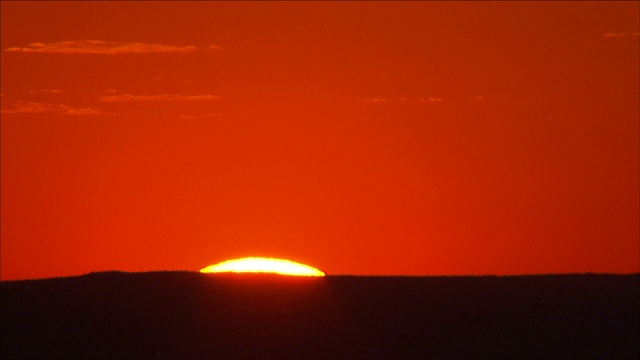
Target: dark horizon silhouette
{"type": "Point", "coordinates": [189, 315]}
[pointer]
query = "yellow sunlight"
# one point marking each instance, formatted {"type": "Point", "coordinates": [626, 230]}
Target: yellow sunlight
{"type": "Point", "coordinates": [263, 265]}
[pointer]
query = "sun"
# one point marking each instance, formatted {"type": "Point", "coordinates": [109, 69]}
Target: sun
{"type": "Point", "coordinates": [263, 265]}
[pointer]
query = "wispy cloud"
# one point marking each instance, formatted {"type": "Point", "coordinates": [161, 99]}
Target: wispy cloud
{"type": "Point", "coordinates": [620, 35]}
{"type": "Point", "coordinates": [478, 98]}
{"type": "Point", "coordinates": [384, 100]}
{"type": "Point", "coordinates": [45, 91]}
{"type": "Point", "coordinates": [82, 111]}
{"type": "Point", "coordinates": [173, 80]}
{"type": "Point", "coordinates": [200, 116]}
{"type": "Point", "coordinates": [101, 47]}
{"type": "Point", "coordinates": [402, 100]}
{"type": "Point", "coordinates": [162, 97]}
{"type": "Point", "coordinates": [39, 108]}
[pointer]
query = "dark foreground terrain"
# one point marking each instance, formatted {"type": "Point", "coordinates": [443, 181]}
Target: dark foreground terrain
{"type": "Point", "coordinates": [188, 315]}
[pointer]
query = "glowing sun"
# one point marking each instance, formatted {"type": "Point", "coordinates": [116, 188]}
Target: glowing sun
{"type": "Point", "coordinates": [263, 265]}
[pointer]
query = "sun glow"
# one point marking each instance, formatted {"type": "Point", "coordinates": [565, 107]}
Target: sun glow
{"type": "Point", "coordinates": [263, 265]}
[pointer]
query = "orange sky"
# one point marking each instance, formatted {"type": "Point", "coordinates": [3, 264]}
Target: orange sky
{"type": "Point", "coordinates": [416, 138]}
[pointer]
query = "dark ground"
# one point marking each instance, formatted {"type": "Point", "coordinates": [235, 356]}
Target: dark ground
{"type": "Point", "coordinates": [188, 315]}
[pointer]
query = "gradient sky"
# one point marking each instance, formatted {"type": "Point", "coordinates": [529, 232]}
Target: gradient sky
{"type": "Point", "coordinates": [416, 138]}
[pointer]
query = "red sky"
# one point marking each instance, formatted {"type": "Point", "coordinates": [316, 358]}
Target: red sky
{"type": "Point", "coordinates": [416, 138]}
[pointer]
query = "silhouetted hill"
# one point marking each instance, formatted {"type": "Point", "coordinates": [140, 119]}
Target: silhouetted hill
{"type": "Point", "coordinates": [188, 315]}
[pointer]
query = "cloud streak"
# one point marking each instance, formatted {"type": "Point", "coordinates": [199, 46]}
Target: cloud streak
{"type": "Point", "coordinates": [40, 108]}
{"type": "Point", "coordinates": [154, 98]}
{"type": "Point", "coordinates": [402, 100]}
{"type": "Point", "coordinates": [478, 98]}
{"type": "Point", "coordinates": [200, 116]}
{"type": "Point", "coordinates": [45, 91]}
{"type": "Point", "coordinates": [384, 100]}
{"type": "Point", "coordinates": [620, 35]}
{"type": "Point", "coordinates": [101, 47]}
